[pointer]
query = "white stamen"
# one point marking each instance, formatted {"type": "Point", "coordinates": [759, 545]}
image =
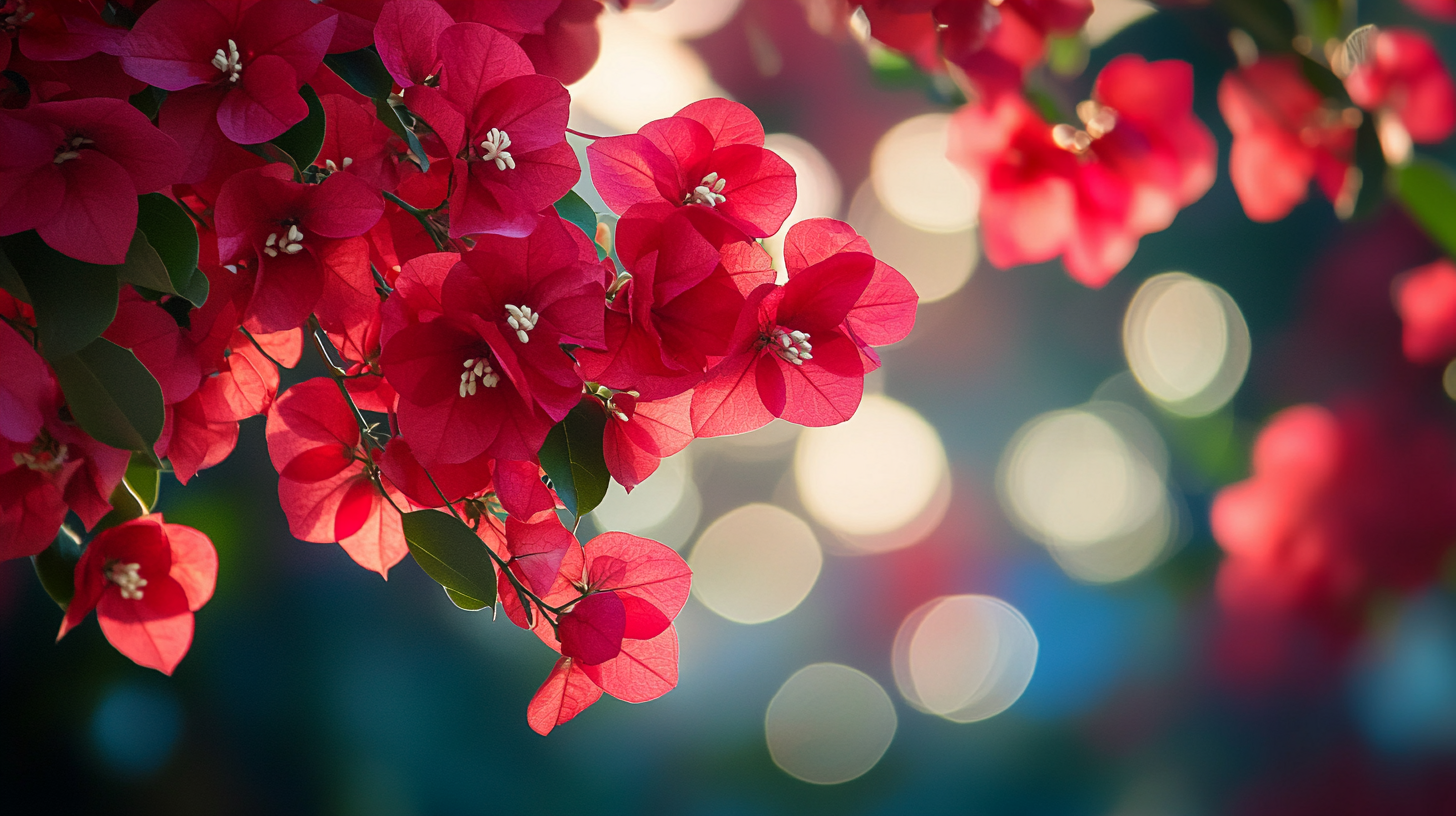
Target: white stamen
{"type": "Point", "coordinates": [495, 144]}
{"type": "Point", "coordinates": [523, 320]}
{"type": "Point", "coordinates": [791, 346]}
{"type": "Point", "coordinates": [38, 458]}
{"type": "Point", "coordinates": [128, 577]}
{"type": "Point", "coordinates": [709, 192]}
{"type": "Point", "coordinates": [229, 62]}
{"type": "Point", "coordinates": [66, 156]}
{"type": "Point", "coordinates": [330, 166]}
{"type": "Point", "coordinates": [347, 161]}
{"type": "Point", "coordinates": [268, 245]}
{"type": "Point", "coordinates": [477, 372]}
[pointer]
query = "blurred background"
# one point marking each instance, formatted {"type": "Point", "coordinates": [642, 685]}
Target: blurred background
{"type": "Point", "coordinates": [992, 591]}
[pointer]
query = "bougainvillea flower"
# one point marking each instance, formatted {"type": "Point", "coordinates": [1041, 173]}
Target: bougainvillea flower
{"type": "Point", "coordinates": [640, 434]}
{"type": "Point", "coordinates": [145, 579]}
{"type": "Point", "coordinates": [463, 481]}
{"type": "Point", "coordinates": [884, 313]}
{"type": "Point", "coordinates": [406, 36]}
{"type": "Point", "coordinates": [488, 373]}
{"type": "Point", "coordinates": [152, 334]}
{"type": "Point", "coordinates": [290, 231]}
{"type": "Point", "coordinates": [1087, 194]}
{"type": "Point", "coordinates": [1444, 10]}
{"type": "Point", "coordinates": [73, 171]}
{"type": "Point", "coordinates": [1404, 78]}
{"type": "Point", "coordinates": [690, 272]}
{"type": "Point", "coordinates": [709, 154]}
{"type": "Point", "coordinates": [649, 583]}
{"type": "Point", "coordinates": [324, 479]}
{"type": "Point", "coordinates": [1285, 135]}
{"type": "Point", "coordinates": [1341, 503]}
{"type": "Point", "coordinates": [25, 387]}
{"type": "Point", "coordinates": [1425, 298]}
{"type": "Point", "coordinates": [62, 31]}
{"type": "Point", "coordinates": [504, 127]}
{"type": "Point", "coordinates": [566, 693]}
{"type": "Point", "coordinates": [992, 44]}
{"type": "Point", "coordinates": [356, 23]}
{"type": "Point", "coordinates": [56, 468]}
{"type": "Point", "coordinates": [569, 43]}
{"type": "Point", "coordinates": [242, 62]}
{"type": "Point", "coordinates": [356, 142]}
{"type": "Point", "coordinates": [790, 356]}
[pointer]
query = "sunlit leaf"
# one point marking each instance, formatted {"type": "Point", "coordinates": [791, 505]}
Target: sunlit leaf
{"type": "Point", "coordinates": [572, 457]}
{"type": "Point", "coordinates": [1427, 189]}
{"type": "Point", "coordinates": [449, 552]}
{"type": "Point", "coordinates": [112, 395]}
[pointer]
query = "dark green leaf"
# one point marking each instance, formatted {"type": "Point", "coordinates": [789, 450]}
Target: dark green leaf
{"type": "Point", "coordinates": [465, 602]}
{"type": "Point", "coordinates": [173, 236]}
{"type": "Point", "coordinates": [303, 140]}
{"type": "Point", "coordinates": [55, 566]}
{"type": "Point", "coordinates": [145, 480]}
{"type": "Point", "coordinates": [10, 279]}
{"type": "Point", "coordinates": [74, 301]}
{"type": "Point", "coordinates": [572, 457]}
{"type": "Point", "coordinates": [143, 266]}
{"type": "Point", "coordinates": [273, 153]}
{"type": "Point", "coordinates": [112, 396]}
{"type": "Point", "coordinates": [363, 71]}
{"type": "Point", "coordinates": [196, 289]}
{"type": "Point", "coordinates": [125, 506]}
{"type": "Point", "coordinates": [1428, 192]}
{"type": "Point", "coordinates": [452, 554]}
{"type": "Point", "coordinates": [398, 118]}
{"type": "Point", "coordinates": [148, 100]}
{"type": "Point", "coordinates": [574, 209]}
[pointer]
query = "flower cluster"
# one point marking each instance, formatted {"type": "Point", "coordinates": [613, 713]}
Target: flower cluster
{"type": "Point", "coordinates": [389, 184]}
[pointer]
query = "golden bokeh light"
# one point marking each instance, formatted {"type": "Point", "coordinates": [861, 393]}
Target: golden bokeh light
{"type": "Point", "coordinates": [685, 19]}
{"type": "Point", "coordinates": [829, 724]}
{"type": "Point", "coordinates": [875, 475]}
{"type": "Point", "coordinates": [936, 264]}
{"type": "Point", "coordinates": [1111, 16]}
{"type": "Point", "coordinates": [1186, 343]}
{"type": "Point", "coordinates": [964, 657]}
{"type": "Point", "coordinates": [915, 181]}
{"type": "Point", "coordinates": [1089, 484]}
{"type": "Point", "coordinates": [755, 564]}
{"type": "Point", "coordinates": [665, 507]}
{"type": "Point", "coordinates": [641, 75]}
{"type": "Point", "coordinates": [819, 189]}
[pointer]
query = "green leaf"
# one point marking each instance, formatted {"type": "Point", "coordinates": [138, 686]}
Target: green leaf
{"type": "Point", "coordinates": [74, 301]}
{"type": "Point", "coordinates": [173, 236]}
{"type": "Point", "coordinates": [55, 566]}
{"type": "Point", "coordinates": [145, 480]}
{"type": "Point", "coordinates": [364, 72]}
{"type": "Point", "coordinates": [196, 289]}
{"type": "Point", "coordinates": [1067, 56]}
{"type": "Point", "coordinates": [148, 100]}
{"type": "Point", "coordinates": [143, 266]}
{"type": "Point", "coordinates": [10, 279]}
{"type": "Point", "coordinates": [112, 396]}
{"type": "Point", "coordinates": [397, 118]}
{"type": "Point", "coordinates": [125, 506]}
{"type": "Point", "coordinates": [453, 555]}
{"type": "Point", "coordinates": [465, 602]}
{"type": "Point", "coordinates": [1428, 191]}
{"type": "Point", "coordinates": [574, 208]}
{"type": "Point", "coordinates": [304, 140]}
{"type": "Point", "coordinates": [572, 457]}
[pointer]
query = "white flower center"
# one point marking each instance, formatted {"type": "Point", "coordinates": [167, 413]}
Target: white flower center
{"type": "Point", "coordinates": [290, 244]}
{"type": "Point", "coordinates": [334, 168]}
{"type": "Point", "coordinates": [494, 147]}
{"type": "Point", "coordinates": [229, 62]}
{"type": "Point", "coordinates": [128, 577]}
{"type": "Point", "coordinates": [19, 15]}
{"type": "Point", "coordinates": [791, 346]}
{"type": "Point", "coordinates": [709, 192]}
{"type": "Point", "coordinates": [71, 149]}
{"type": "Point", "coordinates": [477, 372]}
{"type": "Point", "coordinates": [523, 320]}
